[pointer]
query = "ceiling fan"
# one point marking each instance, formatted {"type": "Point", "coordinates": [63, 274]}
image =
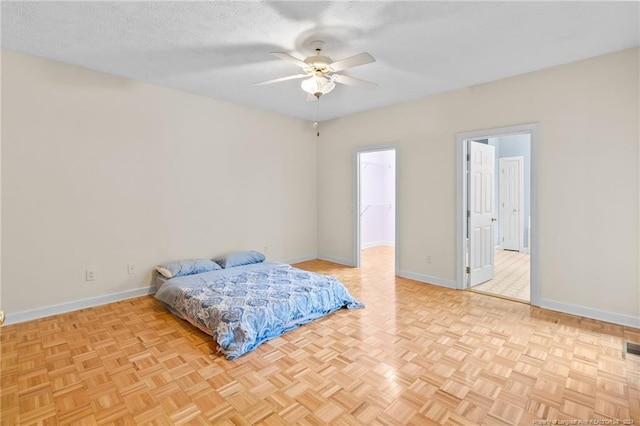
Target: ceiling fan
{"type": "Point", "coordinates": [320, 72]}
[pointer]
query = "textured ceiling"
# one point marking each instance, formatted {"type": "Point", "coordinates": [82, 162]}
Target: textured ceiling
{"type": "Point", "coordinates": [220, 49]}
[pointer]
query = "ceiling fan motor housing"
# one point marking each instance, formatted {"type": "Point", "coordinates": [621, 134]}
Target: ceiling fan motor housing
{"type": "Point", "coordinates": [319, 62]}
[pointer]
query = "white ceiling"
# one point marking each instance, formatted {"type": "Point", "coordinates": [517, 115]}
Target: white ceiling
{"type": "Point", "coordinates": [220, 49]}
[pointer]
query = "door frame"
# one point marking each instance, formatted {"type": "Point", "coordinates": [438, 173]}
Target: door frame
{"type": "Point", "coordinates": [356, 208]}
{"type": "Point", "coordinates": [520, 160]}
{"type": "Point", "coordinates": [532, 129]}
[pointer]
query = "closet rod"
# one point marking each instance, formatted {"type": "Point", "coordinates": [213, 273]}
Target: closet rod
{"type": "Point", "coordinates": [370, 163]}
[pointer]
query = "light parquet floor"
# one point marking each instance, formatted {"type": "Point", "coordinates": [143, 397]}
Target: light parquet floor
{"type": "Point", "coordinates": [417, 354]}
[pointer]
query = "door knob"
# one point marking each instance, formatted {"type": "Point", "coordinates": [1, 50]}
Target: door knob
{"type": "Point", "coordinates": [493, 219]}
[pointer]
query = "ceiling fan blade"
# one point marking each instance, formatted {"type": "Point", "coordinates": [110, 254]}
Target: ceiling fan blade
{"type": "Point", "coordinates": [352, 81]}
{"type": "Point", "coordinates": [278, 80]}
{"type": "Point", "coordinates": [292, 59]}
{"type": "Point", "coordinates": [352, 61]}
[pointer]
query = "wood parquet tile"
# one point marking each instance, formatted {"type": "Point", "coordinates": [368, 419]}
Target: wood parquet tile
{"type": "Point", "coordinates": [417, 354]}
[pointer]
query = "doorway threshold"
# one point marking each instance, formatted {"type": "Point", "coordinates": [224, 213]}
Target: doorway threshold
{"type": "Point", "coordinates": [499, 296]}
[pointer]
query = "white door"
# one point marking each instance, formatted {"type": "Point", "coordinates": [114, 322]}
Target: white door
{"type": "Point", "coordinates": [511, 202]}
{"type": "Point", "coordinates": [481, 212]}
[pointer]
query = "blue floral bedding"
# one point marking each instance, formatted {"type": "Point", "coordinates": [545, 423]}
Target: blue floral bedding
{"type": "Point", "coordinates": [245, 306]}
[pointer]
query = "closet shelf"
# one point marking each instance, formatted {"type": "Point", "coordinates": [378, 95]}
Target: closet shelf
{"type": "Point", "coordinates": [368, 205]}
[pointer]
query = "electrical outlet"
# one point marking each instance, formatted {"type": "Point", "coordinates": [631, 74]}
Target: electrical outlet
{"type": "Point", "coordinates": [90, 275]}
{"type": "Point", "coordinates": [266, 249]}
{"type": "Point", "coordinates": [428, 259]}
{"type": "Point", "coordinates": [131, 268]}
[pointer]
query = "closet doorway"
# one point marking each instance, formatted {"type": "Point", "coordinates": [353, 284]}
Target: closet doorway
{"type": "Point", "coordinates": [375, 207]}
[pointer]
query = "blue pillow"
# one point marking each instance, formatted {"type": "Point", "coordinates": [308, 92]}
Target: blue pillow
{"type": "Point", "coordinates": [186, 267]}
{"type": "Point", "coordinates": [239, 258]}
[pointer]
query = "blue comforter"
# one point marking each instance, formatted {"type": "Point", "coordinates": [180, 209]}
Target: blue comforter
{"type": "Point", "coordinates": [245, 306]}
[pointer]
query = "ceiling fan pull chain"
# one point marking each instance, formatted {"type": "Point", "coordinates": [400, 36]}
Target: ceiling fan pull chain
{"type": "Point", "coordinates": [317, 123]}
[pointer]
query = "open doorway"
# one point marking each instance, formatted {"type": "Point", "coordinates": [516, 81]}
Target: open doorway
{"type": "Point", "coordinates": [376, 207]}
{"type": "Point", "coordinates": [496, 209]}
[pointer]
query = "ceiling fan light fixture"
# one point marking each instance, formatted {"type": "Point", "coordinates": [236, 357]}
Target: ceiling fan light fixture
{"type": "Point", "coordinates": [315, 84]}
{"type": "Point", "coordinates": [320, 71]}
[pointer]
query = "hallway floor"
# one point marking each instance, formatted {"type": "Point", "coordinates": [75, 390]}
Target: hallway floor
{"type": "Point", "coordinates": [512, 276]}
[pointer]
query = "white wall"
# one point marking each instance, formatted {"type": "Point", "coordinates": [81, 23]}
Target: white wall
{"type": "Point", "coordinates": [99, 171]}
{"type": "Point", "coordinates": [588, 178]}
{"type": "Point", "coordinates": [377, 198]}
{"type": "Point", "coordinates": [1, 304]}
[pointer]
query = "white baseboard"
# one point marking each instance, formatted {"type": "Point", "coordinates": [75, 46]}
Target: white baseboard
{"type": "Point", "coordinates": [77, 305]}
{"type": "Point", "coordinates": [427, 279]}
{"type": "Point", "coordinates": [334, 259]}
{"type": "Point", "coordinates": [299, 259]}
{"type": "Point", "coordinates": [378, 243]}
{"type": "Point", "coordinates": [583, 311]}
